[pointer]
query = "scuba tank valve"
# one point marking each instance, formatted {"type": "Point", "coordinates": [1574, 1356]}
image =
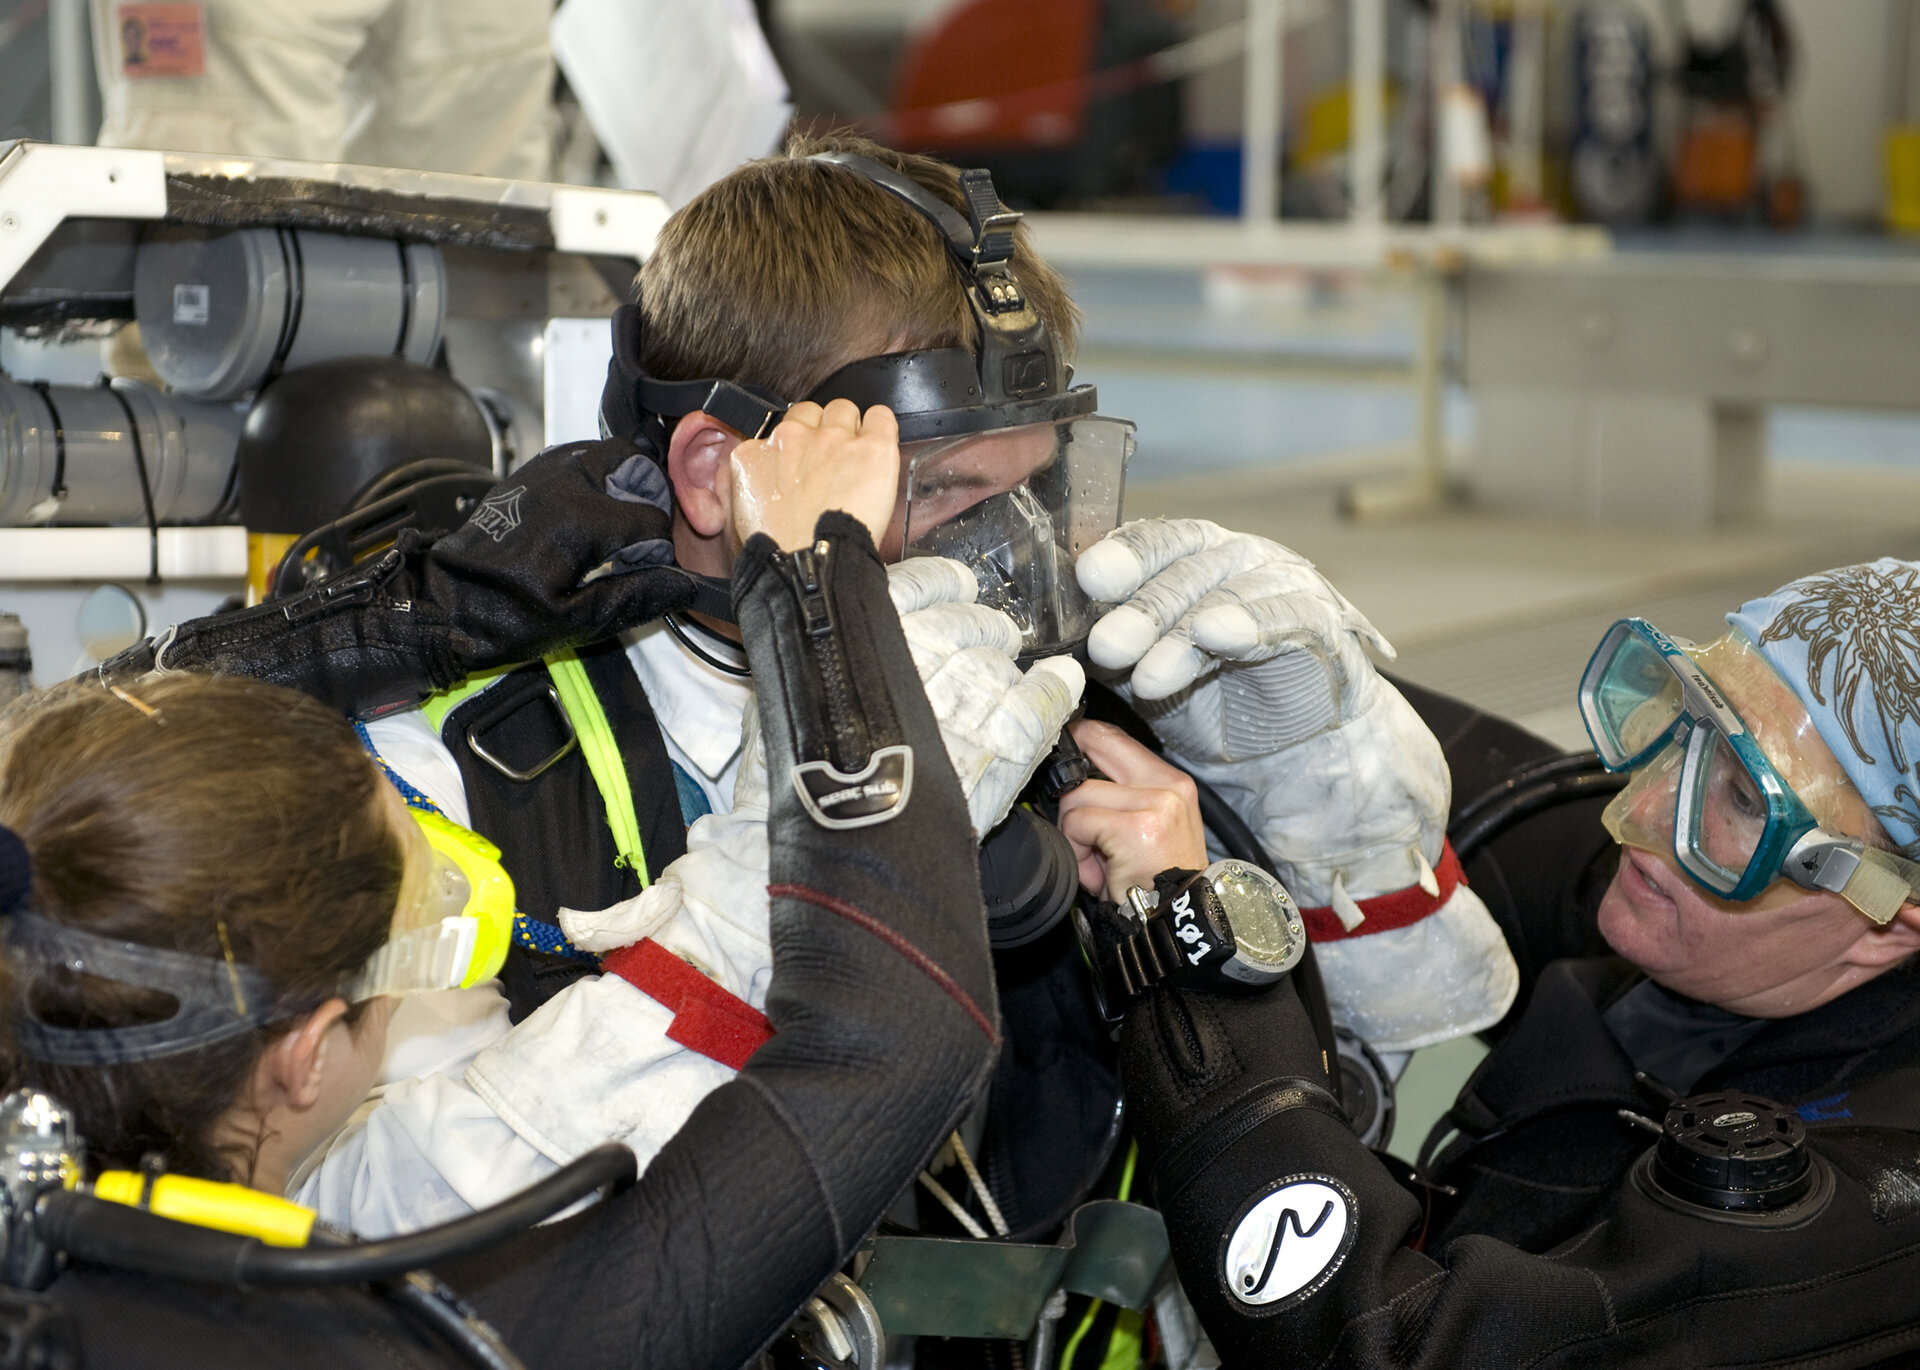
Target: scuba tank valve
{"type": "Point", "coordinates": [40, 1151]}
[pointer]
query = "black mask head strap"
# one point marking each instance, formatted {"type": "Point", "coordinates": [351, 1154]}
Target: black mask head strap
{"type": "Point", "coordinates": [1015, 370]}
{"type": "Point", "coordinates": [1016, 362]}
{"type": "Point", "coordinates": [213, 1000]}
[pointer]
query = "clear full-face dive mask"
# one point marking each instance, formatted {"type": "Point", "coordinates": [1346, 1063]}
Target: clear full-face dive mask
{"type": "Point", "coordinates": [1742, 799]}
{"type": "Point", "coordinates": [451, 928]}
{"type": "Point", "coordinates": [1018, 506]}
{"type": "Point", "coordinates": [1007, 467]}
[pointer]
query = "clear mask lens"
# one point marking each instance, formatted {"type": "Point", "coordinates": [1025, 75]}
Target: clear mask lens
{"type": "Point", "coordinates": [1695, 801]}
{"type": "Point", "coordinates": [1725, 821]}
{"type": "Point", "coordinates": [1635, 701]}
{"type": "Point", "coordinates": [1726, 811]}
{"type": "Point", "coordinates": [454, 921]}
{"type": "Point", "coordinates": [1017, 506]}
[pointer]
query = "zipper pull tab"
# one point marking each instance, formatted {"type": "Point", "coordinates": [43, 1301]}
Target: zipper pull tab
{"type": "Point", "coordinates": [813, 600]}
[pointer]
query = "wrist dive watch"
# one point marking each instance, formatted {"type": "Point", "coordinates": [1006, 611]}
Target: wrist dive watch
{"type": "Point", "coordinates": [1231, 926]}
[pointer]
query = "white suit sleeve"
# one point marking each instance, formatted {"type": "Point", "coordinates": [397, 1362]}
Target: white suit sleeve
{"type": "Point", "coordinates": [593, 1064]}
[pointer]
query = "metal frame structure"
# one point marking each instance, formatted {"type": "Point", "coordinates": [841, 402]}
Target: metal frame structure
{"type": "Point", "coordinates": [45, 188]}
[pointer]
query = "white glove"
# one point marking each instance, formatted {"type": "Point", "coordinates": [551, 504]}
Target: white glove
{"type": "Point", "coordinates": [1248, 665]}
{"type": "Point", "coordinates": [1252, 669]}
{"type": "Point", "coordinates": [594, 1063]}
{"type": "Point", "coordinates": [997, 723]}
{"type": "Point", "coordinates": [1239, 648]}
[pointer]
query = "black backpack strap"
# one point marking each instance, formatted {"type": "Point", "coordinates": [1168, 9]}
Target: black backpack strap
{"type": "Point", "coordinates": [531, 792]}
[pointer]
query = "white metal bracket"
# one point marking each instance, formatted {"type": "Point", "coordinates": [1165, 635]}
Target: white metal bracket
{"type": "Point", "coordinates": [42, 185]}
{"type": "Point", "coordinates": [614, 223]}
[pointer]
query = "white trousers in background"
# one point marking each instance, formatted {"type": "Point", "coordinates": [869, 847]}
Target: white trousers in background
{"type": "Point", "coordinates": [433, 85]}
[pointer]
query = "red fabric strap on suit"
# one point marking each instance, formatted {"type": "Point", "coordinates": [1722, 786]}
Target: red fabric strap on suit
{"type": "Point", "coordinates": [707, 1018]}
{"type": "Point", "coordinates": [1384, 912]}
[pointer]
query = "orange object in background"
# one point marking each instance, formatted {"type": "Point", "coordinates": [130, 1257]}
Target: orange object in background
{"type": "Point", "coordinates": [1715, 165]}
{"type": "Point", "coordinates": [996, 73]}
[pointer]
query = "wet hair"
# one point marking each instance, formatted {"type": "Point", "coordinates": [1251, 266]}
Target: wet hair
{"type": "Point", "coordinates": [201, 815]}
{"type": "Point", "coordinates": [785, 270]}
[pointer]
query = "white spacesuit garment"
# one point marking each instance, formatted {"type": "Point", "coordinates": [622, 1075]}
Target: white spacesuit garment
{"type": "Point", "coordinates": [495, 1108]}
{"type": "Point", "coordinates": [432, 85]}
{"type": "Point", "coordinates": [1251, 669]}
{"type": "Point", "coordinates": [474, 1110]}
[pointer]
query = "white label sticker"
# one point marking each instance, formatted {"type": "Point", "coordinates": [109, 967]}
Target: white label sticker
{"type": "Point", "coordinates": [1287, 1241]}
{"type": "Point", "coordinates": [192, 304]}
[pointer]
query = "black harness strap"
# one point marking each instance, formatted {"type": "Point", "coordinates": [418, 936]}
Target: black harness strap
{"type": "Point", "coordinates": [552, 830]}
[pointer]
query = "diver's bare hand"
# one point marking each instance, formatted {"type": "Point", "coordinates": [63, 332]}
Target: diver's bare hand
{"type": "Point", "coordinates": [817, 459]}
{"type": "Point", "coordinates": [1143, 819]}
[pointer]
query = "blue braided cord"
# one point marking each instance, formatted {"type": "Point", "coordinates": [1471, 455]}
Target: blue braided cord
{"type": "Point", "coordinates": [528, 932]}
{"type": "Point", "coordinates": [532, 934]}
{"type": "Point", "coordinates": [414, 797]}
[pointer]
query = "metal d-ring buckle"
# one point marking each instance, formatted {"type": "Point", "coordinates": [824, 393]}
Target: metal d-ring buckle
{"type": "Point", "coordinates": [495, 715]}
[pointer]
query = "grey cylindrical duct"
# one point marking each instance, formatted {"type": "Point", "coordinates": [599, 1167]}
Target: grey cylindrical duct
{"type": "Point", "coordinates": [219, 312]}
{"type": "Point", "coordinates": [16, 661]}
{"type": "Point", "coordinates": [68, 454]}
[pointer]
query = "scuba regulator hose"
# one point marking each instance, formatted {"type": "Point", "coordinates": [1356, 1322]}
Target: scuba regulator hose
{"type": "Point", "coordinates": [123, 1238]}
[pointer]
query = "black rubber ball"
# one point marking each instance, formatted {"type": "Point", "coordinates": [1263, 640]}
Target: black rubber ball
{"type": "Point", "coordinates": [319, 435]}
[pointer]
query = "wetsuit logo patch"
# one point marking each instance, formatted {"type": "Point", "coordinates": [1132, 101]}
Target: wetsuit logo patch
{"type": "Point", "coordinates": [1290, 1242]}
{"type": "Point", "coordinates": [836, 799]}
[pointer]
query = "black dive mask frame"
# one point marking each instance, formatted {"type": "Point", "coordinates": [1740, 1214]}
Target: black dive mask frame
{"type": "Point", "coordinates": [1015, 375]}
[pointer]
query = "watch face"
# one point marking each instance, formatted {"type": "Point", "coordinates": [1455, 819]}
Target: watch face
{"type": "Point", "coordinates": [1266, 927]}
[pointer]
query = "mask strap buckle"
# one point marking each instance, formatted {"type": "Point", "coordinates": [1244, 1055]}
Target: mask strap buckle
{"type": "Point", "coordinates": [1875, 882]}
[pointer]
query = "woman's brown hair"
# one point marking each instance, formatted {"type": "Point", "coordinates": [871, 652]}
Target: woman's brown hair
{"type": "Point", "coordinates": [212, 816]}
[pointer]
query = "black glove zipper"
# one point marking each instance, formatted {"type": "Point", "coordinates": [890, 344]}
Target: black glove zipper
{"type": "Point", "coordinates": [850, 743]}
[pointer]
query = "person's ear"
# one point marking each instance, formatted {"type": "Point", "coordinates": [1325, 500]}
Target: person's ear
{"type": "Point", "coordinates": [1878, 948]}
{"type": "Point", "coordinates": [697, 464]}
{"type": "Point", "coordinates": [295, 1066]}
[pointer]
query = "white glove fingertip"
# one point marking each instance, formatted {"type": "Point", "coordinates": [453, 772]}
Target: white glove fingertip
{"type": "Point", "coordinates": [1109, 570]}
{"type": "Point", "coordinates": [1121, 637]}
{"type": "Point", "coordinates": [1227, 630]}
{"type": "Point", "coordinates": [918, 582]}
{"type": "Point", "coordinates": [1072, 677]}
{"type": "Point", "coordinates": [1170, 665]}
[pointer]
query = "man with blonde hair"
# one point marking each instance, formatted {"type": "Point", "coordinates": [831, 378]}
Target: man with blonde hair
{"type": "Point", "coordinates": [844, 277]}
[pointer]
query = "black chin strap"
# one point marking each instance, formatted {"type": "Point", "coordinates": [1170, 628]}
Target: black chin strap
{"type": "Point", "coordinates": [712, 596]}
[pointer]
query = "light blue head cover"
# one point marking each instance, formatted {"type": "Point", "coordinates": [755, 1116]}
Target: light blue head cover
{"type": "Point", "coordinates": [1848, 642]}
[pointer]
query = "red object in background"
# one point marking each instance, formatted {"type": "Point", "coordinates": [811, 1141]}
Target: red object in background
{"type": "Point", "coordinates": [996, 73]}
{"type": "Point", "coordinates": [1715, 166]}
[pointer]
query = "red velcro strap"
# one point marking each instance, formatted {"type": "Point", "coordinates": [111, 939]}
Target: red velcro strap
{"type": "Point", "coordinates": [1385, 912]}
{"type": "Point", "coordinates": [707, 1018]}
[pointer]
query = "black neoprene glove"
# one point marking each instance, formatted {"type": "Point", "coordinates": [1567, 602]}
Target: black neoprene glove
{"type": "Point", "coordinates": [571, 548]}
{"type": "Point", "coordinates": [1201, 1070]}
{"type": "Point", "coordinates": [1281, 1222]}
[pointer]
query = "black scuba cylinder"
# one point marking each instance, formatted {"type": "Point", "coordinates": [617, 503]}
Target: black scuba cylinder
{"type": "Point", "coordinates": [318, 436]}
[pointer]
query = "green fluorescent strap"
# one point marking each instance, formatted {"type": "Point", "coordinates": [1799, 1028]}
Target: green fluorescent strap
{"type": "Point", "coordinates": [1093, 1309]}
{"type": "Point", "coordinates": [589, 720]}
{"type": "Point", "coordinates": [1123, 1351]}
{"type": "Point", "coordinates": [438, 706]}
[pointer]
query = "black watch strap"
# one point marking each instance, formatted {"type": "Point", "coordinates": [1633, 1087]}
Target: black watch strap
{"type": "Point", "coordinates": [1153, 953]}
